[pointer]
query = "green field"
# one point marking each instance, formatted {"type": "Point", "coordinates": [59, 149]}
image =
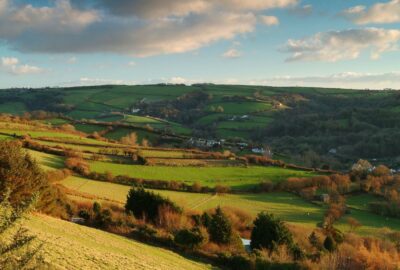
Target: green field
{"type": "Point", "coordinates": [235, 177]}
{"type": "Point", "coordinates": [55, 121]}
{"type": "Point", "coordinates": [47, 161]}
{"type": "Point", "coordinates": [285, 205]}
{"type": "Point", "coordinates": [242, 107]}
{"type": "Point", "coordinates": [89, 128]}
{"type": "Point", "coordinates": [71, 246]}
{"type": "Point", "coordinates": [371, 223]}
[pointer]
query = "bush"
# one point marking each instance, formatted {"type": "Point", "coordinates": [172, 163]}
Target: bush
{"type": "Point", "coordinates": [146, 205]}
{"type": "Point", "coordinates": [236, 262]}
{"type": "Point", "coordinates": [191, 239]}
{"type": "Point", "coordinates": [329, 244]}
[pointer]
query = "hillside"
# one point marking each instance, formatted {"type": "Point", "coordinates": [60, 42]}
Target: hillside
{"type": "Point", "coordinates": [71, 246]}
{"type": "Point", "coordinates": [92, 176]}
{"type": "Point", "coordinates": [316, 127]}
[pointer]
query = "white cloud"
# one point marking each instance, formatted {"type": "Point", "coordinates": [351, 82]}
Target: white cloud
{"type": "Point", "coordinates": [353, 80]}
{"type": "Point", "coordinates": [232, 53]}
{"type": "Point", "coordinates": [387, 12]}
{"type": "Point", "coordinates": [342, 45]}
{"type": "Point", "coordinates": [11, 65]}
{"type": "Point", "coordinates": [132, 64]}
{"type": "Point", "coordinates": [9, 61]}
{"type": "Point", "coordinates": [136, 27]}
{"type": "Point", "coordinates": [269, 20]}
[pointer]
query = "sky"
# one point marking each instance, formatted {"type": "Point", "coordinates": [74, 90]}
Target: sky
{"type": "Point", "coordinates": [323, 43]}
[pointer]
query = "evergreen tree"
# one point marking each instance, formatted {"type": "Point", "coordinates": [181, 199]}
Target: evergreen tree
{"type": "Point", "coordinates": [220, 228]}
{"type": "Point", "coordinates": [269, 232]}
{"type": "Point", "coordinates": [16, 244]}
{"type": "Point", "coordinates": [329, 244]}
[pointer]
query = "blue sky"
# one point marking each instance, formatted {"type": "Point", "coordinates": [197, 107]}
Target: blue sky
{"type": "Point", "coordinates": [335, 43]}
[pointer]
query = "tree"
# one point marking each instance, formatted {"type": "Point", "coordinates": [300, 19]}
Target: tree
{"type": "Point", "coordinates": [314, 240]}
{"type": "Point", "coordinates": [205, 219]}
{"type": "Point", "coordinates": [130, 139]}
{"type": "Point", "coordinates": [22, 177]}
{"type": "Point", "coordinates": [381, 170]}
{"type": "Point", "coordinates": [353, 223]}
{"type": "Point", "coordinates": [220, 228]}
{"type": "Point", "coordinates": [329, 244]}
{"type": "Point", "coordinates": [269, 233]}
{"type": "Point", "coordinates": [145, 142]}
{"type": "Point", "coordinates": [146, 204]}
{"type": "Point", "coordinates": [361, 169]}
{"type": "Point", "coordinates": [19, 174]}
{"type": "Point", "coordinates": [16, 244]}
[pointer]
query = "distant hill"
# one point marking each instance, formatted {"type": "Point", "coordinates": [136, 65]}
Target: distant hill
{"type": "Point", "coordinates": [316, 127]}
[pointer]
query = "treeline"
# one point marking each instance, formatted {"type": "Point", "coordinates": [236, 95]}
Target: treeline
{"type": "Point", "coordinates": [364, 125]}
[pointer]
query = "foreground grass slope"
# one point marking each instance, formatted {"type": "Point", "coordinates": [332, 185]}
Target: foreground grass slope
{"type": "Point", "coordinates": [71, 246]}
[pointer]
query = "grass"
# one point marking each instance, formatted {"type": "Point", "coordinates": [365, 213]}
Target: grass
{"type": "Point", "coordinates": [36, 134]}
{"type": "Point", "coordinates": [71, 246]}
{"type": "Point", "coordinates": [235, 177]}
{"type": "Point", "coordinates": [371, 223]}
{"type": "Point", "coordinates": [56, 121]}
{"type": "Point", "coordinates": [242, 107]}
{"type": "Point", "coordinates": [89, 128]}
{"type": "Point", "coordinates": [47, 161]}
{"type": "Point", "coordinates": [285, 205]}
{"type": "Point", "coordinates": [360, 202]}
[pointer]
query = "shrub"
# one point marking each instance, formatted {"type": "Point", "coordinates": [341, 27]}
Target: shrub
{"type": "Point", "coordinates": [191, 239]}
{"type": "Point", "coordinates": [146, 205]}
{"type": "Point", "coordinates": [329, 244]}
{"type": "Point", "coordinates": [220, 227]}
{"type": "Point", "coordinates": [236, 262]}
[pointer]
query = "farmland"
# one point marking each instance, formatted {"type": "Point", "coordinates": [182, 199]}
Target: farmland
{"type": "Point", "coordinates": [289, 207]}
{"type": "Point", "coordinates": [287, 119]}
{"type": "Point", "coordinates": [235, 177]}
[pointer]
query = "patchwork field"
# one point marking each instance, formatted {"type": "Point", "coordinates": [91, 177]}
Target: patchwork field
{"type": "Point", "coordinates": [71, 246]}
{"type": "Point", "coordinates": [285, 205]}
{"type": "Point", "coordinates": [235, 177]}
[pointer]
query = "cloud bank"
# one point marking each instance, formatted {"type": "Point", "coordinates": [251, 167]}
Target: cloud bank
{"type": "Point", "coordinates": [131, 27]}
{"type": "Point", "coordinates": [12, 66]}
{"type": "Point", "coordinates": [347, 80]}
{"type": "Point", "coordinates": [348, 44]}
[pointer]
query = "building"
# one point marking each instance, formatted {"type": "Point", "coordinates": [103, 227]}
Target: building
{"type": "Point", "coordinates": [325, 198]}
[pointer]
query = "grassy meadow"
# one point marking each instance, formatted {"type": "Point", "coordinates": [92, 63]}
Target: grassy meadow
{"type": "Point", "coordinates": [234, 177]}
{"type": "Point", "coordinates": [285, 205]}
{"type": "Point", "coordinates": [70, 246]}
